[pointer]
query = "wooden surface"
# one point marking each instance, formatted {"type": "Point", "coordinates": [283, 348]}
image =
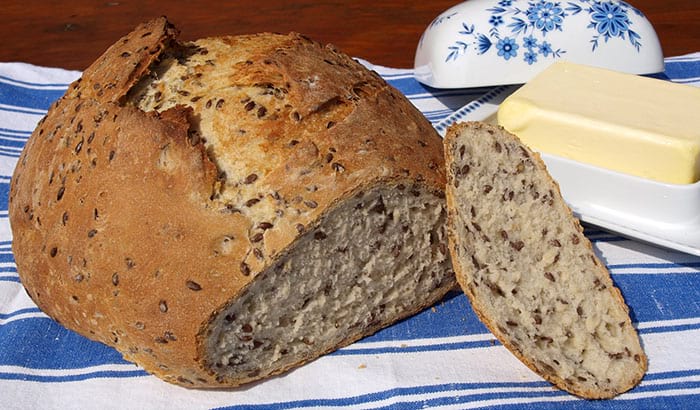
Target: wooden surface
{"type": "Point", "coordinates": [72, 33]}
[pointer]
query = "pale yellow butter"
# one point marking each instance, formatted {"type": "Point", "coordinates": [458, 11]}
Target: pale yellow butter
{"type": "Point", "coordinates": [636, 125]}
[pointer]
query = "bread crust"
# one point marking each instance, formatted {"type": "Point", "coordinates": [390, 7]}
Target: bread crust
{"type": "Point", "coordinates": [117, 214]}
{"type": "Point", "coordinates": [465, 268]}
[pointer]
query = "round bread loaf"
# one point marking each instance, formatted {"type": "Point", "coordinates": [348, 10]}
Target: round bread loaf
{"type": "Point", "coordinates": [226, 209]}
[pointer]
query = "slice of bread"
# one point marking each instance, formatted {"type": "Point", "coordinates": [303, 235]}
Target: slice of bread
{"type": "Point", "coordinates": [528, 270]}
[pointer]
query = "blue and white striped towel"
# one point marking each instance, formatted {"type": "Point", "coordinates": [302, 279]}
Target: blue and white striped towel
{"type": "Point", "coordinates": [441, 358]}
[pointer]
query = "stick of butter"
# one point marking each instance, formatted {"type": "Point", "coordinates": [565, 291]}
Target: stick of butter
{"type": "Point", "coordinates": [635, 125]}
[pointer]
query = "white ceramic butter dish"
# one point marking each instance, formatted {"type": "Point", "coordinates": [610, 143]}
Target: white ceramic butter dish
{"type": "Point", "coordinates": [497, 42]}
{"type": "Point", "coordinates": [663, 214]}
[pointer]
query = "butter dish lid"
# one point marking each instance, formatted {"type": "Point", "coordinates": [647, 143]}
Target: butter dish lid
{"type": "Point", "coordinates": [499, 42]}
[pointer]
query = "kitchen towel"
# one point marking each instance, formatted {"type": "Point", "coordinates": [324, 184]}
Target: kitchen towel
{"type": "Point", "coordinates": [442, 357]}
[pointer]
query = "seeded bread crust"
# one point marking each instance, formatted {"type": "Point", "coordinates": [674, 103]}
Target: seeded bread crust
{"type": "Point", "coordinates": [142, 226]}
{"type": "Point", "coordinates": [531, 275]}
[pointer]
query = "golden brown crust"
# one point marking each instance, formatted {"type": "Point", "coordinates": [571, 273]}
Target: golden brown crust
{"type": "Point", "coordinates": [126, 61]}
{"type": "Point", "coordinates": [116, 220]}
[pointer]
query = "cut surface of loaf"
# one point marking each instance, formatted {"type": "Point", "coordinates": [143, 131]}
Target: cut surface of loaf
{"type": "Point", "coordinates": [224, 210]}
{"type": "Point", "coordinates": [334, 281]}
{"type": "Point", "coordinates": [528, 270]}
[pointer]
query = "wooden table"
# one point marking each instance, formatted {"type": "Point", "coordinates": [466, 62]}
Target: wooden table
{"type": "Point", "coordinates": [72, 33]}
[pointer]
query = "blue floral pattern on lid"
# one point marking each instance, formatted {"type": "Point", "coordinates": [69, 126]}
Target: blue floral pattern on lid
{"type": "Point", "coordinates": [518, 29]}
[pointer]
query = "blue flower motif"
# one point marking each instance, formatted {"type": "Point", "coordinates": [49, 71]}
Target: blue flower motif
{"type": "Point", "coordinates": [530, 42]}
{"type": "Point", "coordinates": [609, 19]}
{"type": "Point", "coordinates": [484, 44]}
{"type": "Point", "coordinates": [530, 57]}
{"type": "Point", "coordinates": [545, 48]}
{"type": "Point", "coordinates": [496, 20]}
{"type": "Point", "coordinates": [528, 27]}
{"type": "Point", "coordinates": [545, 16]}
{"type": "Point", "coordinates": [507, 48]}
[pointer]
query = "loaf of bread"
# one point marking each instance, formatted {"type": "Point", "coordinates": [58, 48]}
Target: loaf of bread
{"type": "Point", "coordinates": [529, 272]}
{"type": "Point", "coordinates": [223, 210]}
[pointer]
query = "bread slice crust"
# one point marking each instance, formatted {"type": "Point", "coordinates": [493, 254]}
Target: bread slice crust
{"type": "Point", "coordinates": [531, 275]}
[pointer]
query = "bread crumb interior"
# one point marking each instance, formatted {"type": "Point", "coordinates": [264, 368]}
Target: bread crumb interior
{"type": "Point", "coordinates": [531, 270]}
{"type": "Point", "coordinates": [359, 269]}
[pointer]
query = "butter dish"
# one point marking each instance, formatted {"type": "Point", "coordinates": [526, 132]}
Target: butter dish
{"type": "Point", "coordinates": [624, 122]}
{"type": "Point", "coordinates": [499, 42]}
{"type": "Point", "coordinates": [654, 212]}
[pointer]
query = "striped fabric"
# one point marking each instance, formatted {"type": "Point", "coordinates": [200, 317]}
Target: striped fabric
{"type": "Point", "coordinates": [441, 358]}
